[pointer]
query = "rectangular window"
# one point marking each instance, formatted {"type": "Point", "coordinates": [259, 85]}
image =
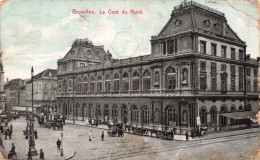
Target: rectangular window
{"type": "Point", "coordinates": [164, 48]}
{"type": "Point", "coordinates": [203, 83]}
{"type": "Point", "coordinates": [92, 87]}
{"type": "Point", "coordinates": [248, 71]}
{"type": "Point", "coordinates": [255, 72]}
{"type": "Point", "coordinates": [203, 47]}
{"type": "Point", "coordinates": [241, 71]}
{"type": "Point", "coordinates": [241, 55]}
{"type": "Point", "coordinates": [169, 47]}
{"type": "Point", "coordinates": [233, 83]}
{"type": "Point", "coordinates": [213, 49]}
{"type": "Point", "coordinates": [240, 83]}
{"type": "Point", "coordinates": [255, 86]}
{"type": "Point", "coordinates": [213, 84]}
{"type": "Point", "coordinates": [223, 67]}
{"type": "Point", "coordinates": [233, 54]}
{"type": "Point", "coordinates": [223, 51]}
{"type": "Point", "coordinates": [99, 86]}
{"type": "Point", "coordinates": [107, 86]}
{"type": "Point", "coordinates": [125, 86]}
{"type": "Point", "coordinates": [248, 85]}
{"type": "Point", "coordinates": [135, 84]}
{"type": "Point", "coordinates": [233, 70]}
{"type": "Point", "coordinates": [147, 84]}
{"type": "Point", "coordinates": [213, 67]}
{"type": "Point", "coordinates": [116, 85]}
{"type": "Point", "coordinates": [202, 65]}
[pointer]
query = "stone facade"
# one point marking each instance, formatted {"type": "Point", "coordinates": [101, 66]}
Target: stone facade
{"type": "Point", "coordinates": [198, 67]}
{"type": "Point", "coordinates": [2, 92]}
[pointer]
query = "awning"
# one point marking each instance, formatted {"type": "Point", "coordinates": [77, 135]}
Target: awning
{"type": "Point", "coordinates": [240, 115]}
{"type": "Point", "coordinates": [21, 108]}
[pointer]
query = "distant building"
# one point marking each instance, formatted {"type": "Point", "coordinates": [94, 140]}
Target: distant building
{"type": "Point", "coordinates": [44, 87]}
{"type": "Point", "coordinates": [198, 73]}
{"type": "Point", "coordinates": [14, 93]}
{"type": "Point", "coordinates": [2, 92]}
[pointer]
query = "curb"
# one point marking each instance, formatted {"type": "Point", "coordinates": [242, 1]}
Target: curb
{"type": "Point", "coordinates": [71, 155]}
{"type": "Point", "coordinates": [86, 126]}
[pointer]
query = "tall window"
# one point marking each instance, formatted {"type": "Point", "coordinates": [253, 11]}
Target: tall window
{"type": "Point", "coordinates": [203, 82]}
{"type": "Point", "coordinates": [255, 85]}
{"type": "Point", "coordinates": [171, 116]}
{"type": "Point", "coordinates": [223, 67]}
{"type": "Point", "coordinates": [203, 47]}
{"type": "Point", "coordinates": [240, 83]}
{"type": "Point", "coordinates": [213, 114]}
{"type": "Point", "coordinates": [106, 112]}
{"type": "Point", "coordinates": [85, 85]}
{"type": "Point", "coordinates": [135, 81]}
{"type": "Point", "coordinates": [213, 83]}
{"type": "Point", "coordinates": [248, 71]}
{"type": "Point", "coordinates": [116, 82]}
{"type": "Point", "coordinates": [107, 83]}
{"type": "Point", "coordinates": [125, 81]}
{"type": "Point", "coordinates": [213, 67]}
{"type": "Point", "coordinates": [134, 114]}
{"type": "Point", "coordinates": [147, 80]}
{"type": "Point", "coordinates": [203, 66]}
{"type": "Point", "coordinates": [170, 47]}
{"type": "Point", "coordinates": [233, 83]}
{"type": "Point", "coordinates": [255, 72]}
{"type": "Point", "coordinates": [223, 51]}
{"type": "Point", "coordinates": [115, 113]}
{"type": "Point", "coordinates": [233, 54]}
{"type": "Point", "coordinates": [241, 55]}
{"type": "Point", "coordinates": [241, 70]}
{"type": "Point", "coordinates": [223, 82]}
{"type": "Point", "coordinates": [92, 84]}
{"type": "Point", "coordinates": [233, 69]}
{"type": "Point", "coordinates": [170, 78]}
{"type": "Point", "coordinates": [248, 85]}
{"type": "Point", "coordinates": [146, 114]}
{"type": "Point", "coordinates": [79, 85]}
{"type": "Point", "coordinates": [164, 48]}
{"type": "Point", "coordinates": [203, 115]}
{"type": "Point", "coordinates": [185, 75]}
{"type": "Point", "coordinates": [99, 84]}
{"type": "Point", "coordinates": [65, 85]}
{"type": "Point", "coordinates": [213, 49]}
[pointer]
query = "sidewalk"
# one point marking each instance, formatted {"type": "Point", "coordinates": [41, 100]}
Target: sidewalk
{"type": "Point", "coordinates": [83, 123]}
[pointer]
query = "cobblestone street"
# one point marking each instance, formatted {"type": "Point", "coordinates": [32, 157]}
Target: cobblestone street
{"type": "Point", "coordinates": [77, 144]}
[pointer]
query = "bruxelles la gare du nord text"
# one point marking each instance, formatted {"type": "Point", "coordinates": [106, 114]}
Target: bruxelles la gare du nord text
{"type": "Point", "coordinates": [109, 11]}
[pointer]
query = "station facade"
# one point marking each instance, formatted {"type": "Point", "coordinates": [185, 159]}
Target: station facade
{"type": "Point", "coordinates": [198, 67]}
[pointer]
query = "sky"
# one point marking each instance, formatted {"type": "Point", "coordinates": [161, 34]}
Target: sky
{"type": "Point", "coordinates": [39, 32]}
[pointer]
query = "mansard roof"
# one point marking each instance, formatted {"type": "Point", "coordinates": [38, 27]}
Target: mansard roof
{"type": "Point", "coordinates": [195, 17]}
{"type": "Point", "coordinates": [84, 50]}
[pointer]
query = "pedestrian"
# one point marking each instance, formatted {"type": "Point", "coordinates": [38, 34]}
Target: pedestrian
{"type": "Point", "coordinates": [13, 150]}
{"type": "Point", "coordinates": [35, 134]}
{"type": "Point", "coordinates": [102, 136]}
{"type": "Point", "coordinates": [10, 134]}
{"type": "Point", "coordinates": [61, 126]}
{"type": "Point", "coordinates": [41, 155]}
{"type": "Point", "coordinates": [6, 133]}
{"type": "Point", "coordinates": [58, 144]}
{"type": "Point", "coordinates": [11, 127]}
{"type": "Point", "coordinates": [1, 142]}
{"type": "Point", "coordinates": [187, 136]}
{"type": "Point", "coordinates": [90, 135]}
{"type": "Point", "coordinates": [6, 123]}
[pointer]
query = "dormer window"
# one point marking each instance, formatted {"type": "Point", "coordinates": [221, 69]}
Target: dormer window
{"type": "Point", "coordinates": [177, 22]}
{"type": "Point", "coordinates": [216, 26]}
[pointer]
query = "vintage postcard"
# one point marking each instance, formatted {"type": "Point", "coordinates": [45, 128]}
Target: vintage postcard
{"type": "Point", "coordinates": [129, 79]}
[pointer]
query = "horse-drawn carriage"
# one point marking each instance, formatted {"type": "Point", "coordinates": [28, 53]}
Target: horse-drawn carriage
{"type": "Point", "coordinates": [55, 121]}
{"type": "Point", "coordinates": [115, 130]}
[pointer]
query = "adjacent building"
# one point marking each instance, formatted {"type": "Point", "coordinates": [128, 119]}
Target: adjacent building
{"type": "Point", "coordinates": [198, 67]}
{"type": "Point", "coordinates": [44, 91]}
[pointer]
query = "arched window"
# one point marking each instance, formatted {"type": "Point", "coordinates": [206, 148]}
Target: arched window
{"type": "Point", "coordinates": [115, 113]}
{"type": "Point", "coordinates": [223, 119]}
{"type": "Point", "coordinates": [79, 85]}
{"type": "Point", "coordinates": [84, 110]}
{"type": "Point", "coordinates": [170, 116]}
{"type": "Point", "coordinates": [107, 83]}
{"type": "Point", "coordinates": [248, 107]}
{"type": "Point", "coordinates": [147, 81]}
{"type": "Point", "coordinates": [203, 115]}
{"type": "Point", "coordinates": [170, 78]}
{"type": "Point", "coordinates": [134, 114]}
{"type": "Point", "coordinates": [213, 114]}
{"type": "Point", "coordinates": [116, 82]}
{"type": "Point", "coordinates": [124, 114]}
{"type": "Point", "coordinates": [85, 84]}
{"type": "Point", "coordinates": [106, 112]}
{"type": "Point", "coordinates": [233, 108]}
{"type": "Point", "coordinates": [240, 108]}
{"type": "Point", "coordinates": [125, 81]}
{"type": "Point", "coordinates": [185, 75]}
{"type": "Point", "coordinates": [135, 81]}
{"type": "Point", "coordinates": [99, 84]}
{"type": "Point", "coordinates": [146, 114]}
{"type": "Point", "coordinates": [92, 84]}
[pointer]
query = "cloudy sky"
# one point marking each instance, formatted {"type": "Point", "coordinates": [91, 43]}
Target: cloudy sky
{"type": "Point", "coordinates": [38, 32]}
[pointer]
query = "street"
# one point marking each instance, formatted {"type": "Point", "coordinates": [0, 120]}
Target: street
{"type": "Point", "coordinates": [240, 144]}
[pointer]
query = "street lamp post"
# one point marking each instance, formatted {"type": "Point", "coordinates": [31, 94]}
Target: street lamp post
{"type": "Point", "coordinates": [32, 151]}
{"type": "Point", "coordinates": [61, 152]}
